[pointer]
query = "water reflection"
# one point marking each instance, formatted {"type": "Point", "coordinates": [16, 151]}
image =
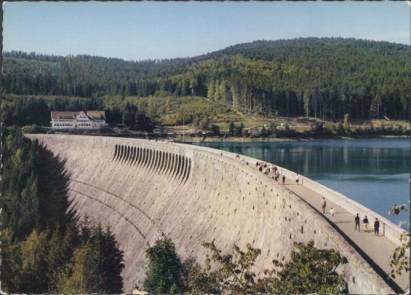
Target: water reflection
{"type": "Point", "coordinates": [375, 172]}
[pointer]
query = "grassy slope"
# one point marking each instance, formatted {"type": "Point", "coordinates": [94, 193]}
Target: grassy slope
{"type": "Point", "coordinates": [173, 111]}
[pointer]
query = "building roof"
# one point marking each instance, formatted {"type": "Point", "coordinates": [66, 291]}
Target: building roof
{"type": "Point", "coordinates": [96, 115]}
{"type": "Point", "coordinates": [92, 115]}
{"type": "Point", "coordinates": [63, 115]}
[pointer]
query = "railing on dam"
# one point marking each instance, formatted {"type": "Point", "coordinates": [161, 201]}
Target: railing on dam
{"type": "Point", "coordinates": [161, 162]}
{"type": "Point", "coordinates": [392, 231]}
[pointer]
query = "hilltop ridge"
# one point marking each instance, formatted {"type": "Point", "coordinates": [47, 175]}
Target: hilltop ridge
{"type": "Point", "coordinates": [321, 77]}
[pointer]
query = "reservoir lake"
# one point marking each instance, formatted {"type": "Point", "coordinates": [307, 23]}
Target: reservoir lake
{"type": "Point", "coordinates": [374, 171]}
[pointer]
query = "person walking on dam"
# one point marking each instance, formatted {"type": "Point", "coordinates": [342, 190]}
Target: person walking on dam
{"type": "Point", "coordinates": [357, 222]}
{"type": "Point", "coordinates": [283, 179]}
{"type": "Point", "coordinates": [365, 221]}
{"type": "Point", "coordinates": [323, 205]}
{"type": "Point", "coordinates": [377, 227]}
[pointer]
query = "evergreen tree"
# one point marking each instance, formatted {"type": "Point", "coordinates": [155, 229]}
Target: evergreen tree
{"type": "Point", "coordinates": [165, 270]}
{"type": "Point", "coordinates": [11, 277]}
{"type": "Point", "coordinates": [231, 128]}
{"type": "Point", "coordinates": [110, 261]}
{"type": "Point", "coordinates": [33, 272]}
{"type": "Point", "coordinates": [82, 275]}
{"type": "Point", "coordinates": [129, 116]}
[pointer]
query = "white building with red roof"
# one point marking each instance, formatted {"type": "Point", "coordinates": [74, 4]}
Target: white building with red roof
{"type": "Point", "coordinates": [78, 120]}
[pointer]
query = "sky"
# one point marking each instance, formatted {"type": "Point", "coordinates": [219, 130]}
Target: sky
{"type": "Point", "coordinates": [157, 30]}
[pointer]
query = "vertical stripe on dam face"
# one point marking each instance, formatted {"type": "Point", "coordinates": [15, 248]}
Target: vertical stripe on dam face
{"type": "Point", "coordinates": [139, 156]}
{"type": "Point", "coordinates": [136, 156]}
{"type": "Point", "coordinates": [133, 155]}
{"type": "Point", "coordinates": [153, 159]}
{"type": "Point", "coordinates": [142, 157]}
{"type": "Point", "coordinates": [147, 161]}
{"type": "Point", "coordinates": [127, 154]}
{"type": "Point", "coordinates": [130, 160]}
{"type": "Point", "coordinates": [149, 158]}
{"type": "Point", "coordinates": [179, 166]}
{"type": "Point", "coordinates": [121, 152]}
{"type": "Point", "coordinates": [115, 152]}
{"type": "Point", "coordinates": [189, 169]}
{"type": "Point", "coordinates": [124, 153]}
{"type": "Point", "coordinates": [186, 170]}
{"type": "Point", "coordinates": [118, 152]}
{"type": "Point", "coordinates": [146, 155]}
{"type": "Point", "coordinates": [161, 162]}
{"type": "Point", "coordinates": [164, 165]}
{"type": "Point", "coordinates": [157, 163]}
{"type": "Point", "coordinates": [183, 168]}
{"type": "Point", "coordinates": [174, 166]}
{"type": "Point", "coordinates": [169, 164]}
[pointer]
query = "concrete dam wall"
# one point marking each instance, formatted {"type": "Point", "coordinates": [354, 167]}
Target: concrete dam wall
{"type": "Point", "coordinates": [142, 188]}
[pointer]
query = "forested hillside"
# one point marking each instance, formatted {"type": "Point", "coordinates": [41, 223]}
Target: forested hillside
{"type": "Point", "coordinates": [45, 248]}
{"type": "Point", "coordinates": [319, 77]}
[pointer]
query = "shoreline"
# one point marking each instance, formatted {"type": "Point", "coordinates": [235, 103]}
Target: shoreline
{"type": "Point", "coordinates": [189, 139]}
{"type": "Point", "coordinates": [194, 138]}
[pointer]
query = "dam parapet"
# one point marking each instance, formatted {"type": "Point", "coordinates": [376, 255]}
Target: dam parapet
{"type": "Point", "coordinates": [142, 188]}
{"type": "Point", "coordinates": [390, 230]}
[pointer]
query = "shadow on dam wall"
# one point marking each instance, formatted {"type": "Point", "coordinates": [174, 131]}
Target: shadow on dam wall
{"type": "Point", "coordinates": [143, 188]}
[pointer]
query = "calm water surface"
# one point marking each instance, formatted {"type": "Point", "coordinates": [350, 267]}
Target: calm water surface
{"type": "Point", "coordinates": [374, 172]}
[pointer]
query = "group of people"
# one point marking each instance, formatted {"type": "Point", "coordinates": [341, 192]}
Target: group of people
{"type": "Point", "coordinates": [366, 222]}
{"type": "Point", "coordinates": [273, 171]}
{"type": "Point", "coordinates": [357, 219]}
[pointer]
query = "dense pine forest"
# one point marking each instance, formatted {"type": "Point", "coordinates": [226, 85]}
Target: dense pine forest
{"type": "Point", "coordinates": [45, 247]}
{"type": "Point", "coordinates": [317, 77]}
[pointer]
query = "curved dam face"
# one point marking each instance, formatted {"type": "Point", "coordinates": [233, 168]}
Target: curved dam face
{"type": "Point", "coordinates": [143, 188]}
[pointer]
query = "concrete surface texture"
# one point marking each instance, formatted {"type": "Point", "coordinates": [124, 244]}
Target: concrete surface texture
{"type": "Point", "coordinates": [142, 188]}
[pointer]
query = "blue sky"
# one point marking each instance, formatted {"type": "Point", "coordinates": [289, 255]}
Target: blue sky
{"type": "Point", "coordinates": [143, 30]}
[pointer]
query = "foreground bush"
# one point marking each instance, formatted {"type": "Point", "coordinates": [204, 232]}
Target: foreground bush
{"type": "Point", "coordinates": [309, 270]}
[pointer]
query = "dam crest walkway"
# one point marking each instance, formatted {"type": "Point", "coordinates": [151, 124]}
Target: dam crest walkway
{"type": "Point", "coordinates": [377, 250]}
